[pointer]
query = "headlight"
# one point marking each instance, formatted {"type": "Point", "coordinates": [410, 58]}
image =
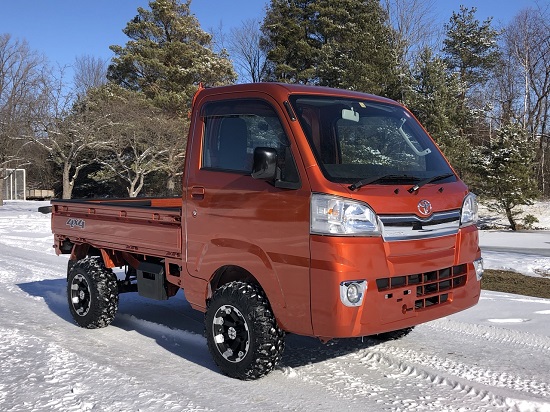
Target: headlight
{"type": "Point", "coordinates": [332, 215]}
{"type": "Point", "coordinates": [469, 210]}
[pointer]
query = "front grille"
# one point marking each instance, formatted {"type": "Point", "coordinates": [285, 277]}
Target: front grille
{"type": "Point", "coordinates": [410, 227]}
{"type": "Point", "coordinates": [432, 288]}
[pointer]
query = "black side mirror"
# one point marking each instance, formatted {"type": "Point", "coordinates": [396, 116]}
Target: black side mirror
{"type": "Point", "coordinates": [265, 164]}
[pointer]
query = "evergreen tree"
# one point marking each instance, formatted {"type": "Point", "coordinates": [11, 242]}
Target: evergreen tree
{"type": "Point", "coordinates": [290, 41]}
{"type": "Point", "coordinates": [471, 51]}
{"type": "Point", "coordinates": [506, 172]}
{"type": "Point", "coordinates": [167, 55]}
{"type": "Point", "coordinates": [471, 47]}
{"type": "Point", "coordinates": [432, 98]}
{"type": "Point", "coordinates": [335, 43]}
{"type": "Point", "coordinates": [356, 50]}
{"type": "Point", "coordinates": [432, 95]}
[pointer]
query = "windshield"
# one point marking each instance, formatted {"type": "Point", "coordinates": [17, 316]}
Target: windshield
{"type": "Point", "coordinates": [361, 140]}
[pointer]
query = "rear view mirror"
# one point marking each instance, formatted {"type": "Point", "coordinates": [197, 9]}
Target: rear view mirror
{"type": "Point", "coordinates": [350, 114]}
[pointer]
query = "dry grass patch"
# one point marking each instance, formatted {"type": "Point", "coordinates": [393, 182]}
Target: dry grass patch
{"type": "Point", "coordinates": [511, 282]}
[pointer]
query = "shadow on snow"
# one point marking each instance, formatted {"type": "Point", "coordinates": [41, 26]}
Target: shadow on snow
{"type": "Point", "coordinates": [179, 329]}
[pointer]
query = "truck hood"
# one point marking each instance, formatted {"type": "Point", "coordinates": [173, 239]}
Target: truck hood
{"type": "Point", "coordinates": [396, 200]}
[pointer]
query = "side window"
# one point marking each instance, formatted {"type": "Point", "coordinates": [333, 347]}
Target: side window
{"type": "Point", "coordinates": [234, 128]}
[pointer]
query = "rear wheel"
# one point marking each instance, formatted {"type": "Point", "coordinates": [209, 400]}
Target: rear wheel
{"type": "Point", "coordinates": [242, 333]}
{"type": "Point", "coordinates": [92, 293]}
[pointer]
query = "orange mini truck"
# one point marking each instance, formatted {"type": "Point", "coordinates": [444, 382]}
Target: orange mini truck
{"type": "Point", "coordinates": [305, 210]}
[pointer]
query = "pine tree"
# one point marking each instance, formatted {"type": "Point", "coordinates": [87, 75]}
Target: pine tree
{"type": "Point", "coordinates": [471, 52]}
{"type": "Point", "coordinates": [335, 43]}
{"type": "Point", "coordinates": [471, 47]}
{"type": "Point", "coordinates": [290, 41]}
{"type": "Point", "coordinates": [167, 55]}
{"type": "Point", "coordinates": [506, 172]}
{"type": "Point", "coordinates": [432, 94]}
{"type": "Point", "coordinates": [356, 51]}
{"type": "Point", "coordinates": [432, 98]}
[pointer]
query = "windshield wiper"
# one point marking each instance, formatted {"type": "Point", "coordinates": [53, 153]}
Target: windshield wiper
{"type": "Point", "coordinates": [429, 180]}
{"type": "Point", "coordinates": [365, 182]}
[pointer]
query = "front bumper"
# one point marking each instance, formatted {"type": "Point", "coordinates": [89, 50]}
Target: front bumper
{"type": "Point", "coordinates": [408, 282]}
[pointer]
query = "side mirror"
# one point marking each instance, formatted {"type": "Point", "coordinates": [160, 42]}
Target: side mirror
{"type": "Point", "coordinates": [265, 164]}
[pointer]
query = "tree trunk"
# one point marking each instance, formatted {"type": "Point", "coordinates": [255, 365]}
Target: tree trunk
{"type": "Point", "coordinates": [170, 185]}
{"type": "Point", "coordinates": [511, 220]}
{"type": "Point", "coordinates": [131, 190]}
{"type": "Point", "coordinates": [135, 187]}
{"type": "Point", "coordinates": [67, 183]}
{"type": "Point", "coordinates": [1, 189]}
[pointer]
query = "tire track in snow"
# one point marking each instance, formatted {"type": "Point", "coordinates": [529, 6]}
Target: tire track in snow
{"type": "Point", "coordinates": [461, 377]}
{"type": "Point", "coordinates": [20, 258]}
{"type": "Point", "coordinates": [492, 334]}
{"type": "Point", "coordinates": [131, 354]}
{"type": "Point", "coordinates": [391, 383]}
{"type": "Point", "coordinates": [60, 380]}
{"type": "Point", "coordinates": [16, 270]}
{"type": "Point", "coordinates": [402, 379]}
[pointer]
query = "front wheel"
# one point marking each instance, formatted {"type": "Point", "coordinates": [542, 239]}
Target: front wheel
{"type": "Point", "coordinates": [241, 331]}
{"type": "Point", "coordinates": [92, 292]}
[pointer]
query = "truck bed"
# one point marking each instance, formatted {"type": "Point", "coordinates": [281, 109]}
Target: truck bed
{"type": "Point", "coordinates": [150, 226]}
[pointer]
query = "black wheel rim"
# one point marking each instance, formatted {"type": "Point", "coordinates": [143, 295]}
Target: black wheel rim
{"type": "Point", "coordinates": [231, 334]}
{"type": "Point", "coordinates": [80, 295]}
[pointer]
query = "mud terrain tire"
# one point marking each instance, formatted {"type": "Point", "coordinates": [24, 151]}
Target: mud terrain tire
{"type": "Point", "coordinates": [92, 293]}
{"type": "Point", "coordinates": [241, 331]}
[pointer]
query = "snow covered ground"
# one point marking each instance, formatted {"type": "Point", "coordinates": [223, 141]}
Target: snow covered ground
{"type": "Point", "coordinates": [526, 252]}
{"type": "Point", "coordinates": [522, 252]}
{"type": "Point", "coordinates": [539, 209]}
{"type": "Point", "coordinates": [493, 357]}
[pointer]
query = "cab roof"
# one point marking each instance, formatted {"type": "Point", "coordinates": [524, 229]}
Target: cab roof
{"type": "Point", "coordinates": [281, 91]}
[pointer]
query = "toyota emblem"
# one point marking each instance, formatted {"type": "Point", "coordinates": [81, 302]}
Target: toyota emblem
{"type": "Point", "coordinates": [424, 207]}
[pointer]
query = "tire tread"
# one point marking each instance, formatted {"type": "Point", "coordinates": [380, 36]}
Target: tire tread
{"type": "Point", "coordinates": [103, 283]}
{"type": "Point", "coordinates": [269, 344]}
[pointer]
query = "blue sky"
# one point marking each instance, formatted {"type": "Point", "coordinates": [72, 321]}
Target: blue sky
{"type": "Point", "coordinates": [65, 29]}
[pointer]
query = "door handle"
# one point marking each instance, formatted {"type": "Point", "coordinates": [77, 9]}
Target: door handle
{"type": "Point", "coordinates": [197, 192]}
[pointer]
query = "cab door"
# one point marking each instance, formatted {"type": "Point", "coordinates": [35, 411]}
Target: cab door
{"type": "Point", "coordinates": [240, 225]}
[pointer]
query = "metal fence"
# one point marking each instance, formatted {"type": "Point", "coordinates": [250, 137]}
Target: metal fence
{"type": "Point", "coordinates": [15, 184]}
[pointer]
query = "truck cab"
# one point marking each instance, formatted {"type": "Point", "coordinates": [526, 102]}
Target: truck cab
{"type": "Point", "coordinates": [340, 200]}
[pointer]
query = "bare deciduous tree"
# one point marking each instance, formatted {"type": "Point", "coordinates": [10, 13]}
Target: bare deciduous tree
{"type": "Point", "coordinates": [139, 139]}
{"type": "Point", "coordinates": [244, 47]}
{"type": "Point", "coordinates": [175, 157]}
{"type": "Point", "coordinates": [527, 45]}
{"type": "Point", "coordinates": [21, 80]}
{"type": "Point", "coordinates": [89, 72]}
{"type": "Point", "coordinates": [413, 22]}
{"type": "Point", "coordinates": [69, 131]}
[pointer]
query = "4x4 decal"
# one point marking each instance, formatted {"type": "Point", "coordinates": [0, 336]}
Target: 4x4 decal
{"type": "Point", "coordinates": [72, 223]}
